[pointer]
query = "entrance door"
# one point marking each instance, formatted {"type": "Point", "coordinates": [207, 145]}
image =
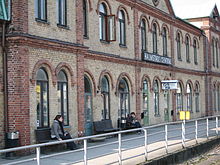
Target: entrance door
{"type": "Point", "coordinates": [88, 127]}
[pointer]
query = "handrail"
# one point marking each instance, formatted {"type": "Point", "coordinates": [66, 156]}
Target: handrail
{"type": "Point", "coordinates": [163, 130]}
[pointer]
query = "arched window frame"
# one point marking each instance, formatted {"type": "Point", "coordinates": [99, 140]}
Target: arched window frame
{"type": "Point", "coordinates": [85, 20]}
{"type": "Point", "coordinates": [145, 102]}
{"type": "Point", "coordinates": [42, 94]}
{"type": "Point", "coordinates": [154, 33]}
{"type": "Point", "coordinates": [178, 47]}
{"type": "Point", "coordinates": [122, 28]}
{"type": "Point", "coordinates": [179, 98]}
{"type": "Point", "coordinates": [189, 97]}
{"type": "Point", "coordinates": [164, 35]}
{"type": "Point", "coordinates": [195, 52]}
{"type": "Point", "coordinates": [63, 101]}
{"type": "Point", "coordinates": [156, 98]}
{"type": "Point", "coordinates": [105, 92]}
{"type": "Point", "coordinates": [187, 50]}
{"type": "Point", "coordinates": [143, 35]}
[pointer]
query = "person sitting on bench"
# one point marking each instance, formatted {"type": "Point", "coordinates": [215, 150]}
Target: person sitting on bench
{"type": "Point", "coordinates": [57, 132]}
{"type": "Point", "coordinates": [135, 123]}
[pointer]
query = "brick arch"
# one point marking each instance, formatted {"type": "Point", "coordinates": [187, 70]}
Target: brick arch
{"type": "Point", "coordinates": [191, 84]}
{"type": "Point", "coordinates": [90, 5]}
{"type": "Point", "coordinates": [197, 84]}
{"type": "Point", "coordinates": [197, 41]}
{"type": "Point", "coordinates": [48, 67]}
{"type": "Point", "coordinates": [106, 2]}
{"type": "Point", "coordinates": [144, 17]}
{"type": "Point", "coordinates": [154, 21]}
{"type": "Point", "coordinates": [182, 85]}
{"type": "Point", "coordinates": [181, 35]}
{"type": "Point", "coordinates": [128, 79]}
{"type": "Point", "coordinates": [121, 7]}
{"type": "Point", "coordinates": [67, 68]}
{"type": "Point", "coordinates": [167, 28]}
{"type": "Point", "coordinates": [190, 40]}
{"type": "Point", "coordinates": [109, 76]}
{"type": "Point", "coordinates": [159, 81]}
{"type": "Point", "coordinates": [92, 79]}
{"type": "Point", "coordinates": [145, 77]}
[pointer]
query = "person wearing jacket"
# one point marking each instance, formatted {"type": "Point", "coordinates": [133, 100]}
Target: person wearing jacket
{"type": "Point", "coordinates": [57, 132]}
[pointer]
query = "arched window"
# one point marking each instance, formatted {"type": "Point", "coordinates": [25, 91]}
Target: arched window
{"type": "Point", "coordinates": [154, 38]}
{"type": "Point", "coordinates": [179, 98]}
{"type": "Point", "coordinates": [197, 99]}
{"type": "Point", "coordinates": [42, 99]}
{"type": "Point", "coordinates": [124, 101]}
{"type": "Point", "coordinates": [122, 31]}
{"type": "Point", "coordinates": [189, 97]}
{"type": "Point", "coordinates": [145, 102]}
{"type": "Point", "coordinates": [106, 98]}
{"type": "Point", "coordinates": [213, 52]}
{"type": "Point", "coordinates": [62, 89]}
{"type": "Point", "coordinates": [178, 46]}
{"type": "Point", "coordinates": [88, 106]}
{"type": "Point", "coordinates": [85, 26]}
{"type": "Point", "coordinates": [216, 52]}
{"type": "Point", "coordinates": [62, 12]}
{"type": "Point", "coordinates": [143, 36]}
{"type": "Point", "coordinates": [187, 50]}
{"type": "Point", "coordinates": [156, 98]}
{"type": "Point", "coordinates": [102, 22]}
{"type": "Point", "coordinates": [195, 52]}
{"type": "Point", "coordinates": [164, 33]}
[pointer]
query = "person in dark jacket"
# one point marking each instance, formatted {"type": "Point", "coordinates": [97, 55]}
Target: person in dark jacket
{"type": "Point", "coordinates": [58, 132]}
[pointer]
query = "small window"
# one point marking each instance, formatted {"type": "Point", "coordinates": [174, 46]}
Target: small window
{"type": "Point", "coordinates": [215, 98]}
{"type": "Point", "coordinates": [143, 36]}
{"type": "Point", "coordinates": [106, 25]}
{"type": "Point", "coordinates": [62, 89]}
{"type": "Point", "coordinates": [122, 29]}
{"type": "Point", "coordinates": [85, 26]}
{"type": "Point", "coordinates": [187, 50]}
{"type": "Point", "coordinates": [42, 99]}
{"type": "Point", "coordinates": [62, 12]}
{"type": "Point", "coordinates": [178, 47]}
{"type": "Point", "coordinates": [154, 38]}
{"type": "Point", "coordinates": [41, 10]}
{"type": "Point", "coordinates": [213, 52]}
{"type": "Point", "coordinates": [106, 98]}
{"type": "Point", "coordinates": [189, 97]}
{"type": "Point", "coordinates": [195, 52]}
{"type": "Point", "coordinates": [164, 33]}
{"type": "Point", "coordinates": [216, 52]}
{"type": "Point", "coordinates": [156, 98]}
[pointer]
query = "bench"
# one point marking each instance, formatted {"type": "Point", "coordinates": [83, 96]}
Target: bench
{"type": "Point", "coordinates": [104, 126]}
{"type": "Point", "coordinates": [43, 135]}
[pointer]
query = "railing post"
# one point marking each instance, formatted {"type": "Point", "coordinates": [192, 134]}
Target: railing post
{"type": "Point", "coordinates": [183, 133]}
{"type": "Point", "coordinates": [196, 131]}
{"type": "Point", "coordinates": [85, 151]}
{"type": "Point", "coordinates": [38, 155]}
{"type": "Point", "coordinates": [207, 128]}
{"type": "Point", "coordinates": [166, 142]}
{"type": "Point", "coordinates": [119, 149]}
{"type": "Point", "coordinates": [216, 125]}
{"type": "Point", "coordinates": [145, 144]}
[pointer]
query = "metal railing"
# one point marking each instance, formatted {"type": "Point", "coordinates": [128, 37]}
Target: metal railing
{"type": "Point", "coordinates": [192, 129]}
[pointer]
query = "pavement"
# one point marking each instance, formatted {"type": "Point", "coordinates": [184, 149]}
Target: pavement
{"type": "Point", "coordinates": [133, 150]}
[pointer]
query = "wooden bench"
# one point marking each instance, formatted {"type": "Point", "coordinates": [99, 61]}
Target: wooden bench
{"type": "Point", "coordinates": [43, 135]}
{"type": "Point", "coordinates": [104, 126]}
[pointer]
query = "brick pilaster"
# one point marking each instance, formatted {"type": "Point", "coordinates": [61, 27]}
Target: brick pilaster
{"type": "Point", "coordinates": [18, 92]}
{"type": "Point", "coordinates": [79, 21]}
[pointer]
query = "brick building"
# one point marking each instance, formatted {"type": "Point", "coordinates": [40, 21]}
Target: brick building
{"type": "Point", "coordinates": [102, 59]}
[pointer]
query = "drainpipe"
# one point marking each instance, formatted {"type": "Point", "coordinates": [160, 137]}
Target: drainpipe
{"type": "Point", "coordinates": [5, 79]}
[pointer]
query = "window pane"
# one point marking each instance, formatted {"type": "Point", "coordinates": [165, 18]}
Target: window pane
{"type": "Point", "coordinates": [45, 103]}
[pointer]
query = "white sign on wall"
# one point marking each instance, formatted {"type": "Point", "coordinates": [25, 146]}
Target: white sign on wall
{"type": "Point", "coordinates": [169, 84]}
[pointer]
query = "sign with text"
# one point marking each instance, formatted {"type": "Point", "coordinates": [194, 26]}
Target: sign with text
{"type": "Point", "coordinates": [169, 84]}
{"type": "Point", "coordinates": [156, 58]}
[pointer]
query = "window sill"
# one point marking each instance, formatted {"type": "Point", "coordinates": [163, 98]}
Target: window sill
{"type": "Point", "coordinates": [157, 115]}
{"type": "Point", "coordinates": [123, 46]}
{"type": "Point", "coordinates": [104, 42]}
{"type": "Point", "coordinates": [63, 26]}
{"type": "Point", "coordinates": [42, 21]}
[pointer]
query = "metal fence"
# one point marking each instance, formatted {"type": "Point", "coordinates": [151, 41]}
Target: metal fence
{"type": "Point", "coordinates": [184, 131]}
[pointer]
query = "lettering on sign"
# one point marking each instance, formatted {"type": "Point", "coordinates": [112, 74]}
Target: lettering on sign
{"type": "Point", "coordinates": [156, 58]}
